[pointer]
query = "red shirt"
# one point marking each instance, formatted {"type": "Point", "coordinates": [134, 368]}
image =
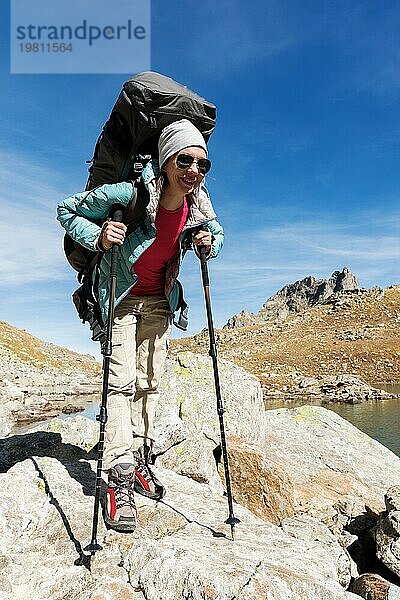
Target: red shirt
{"type": "Point", "coordinates": [151, 265]}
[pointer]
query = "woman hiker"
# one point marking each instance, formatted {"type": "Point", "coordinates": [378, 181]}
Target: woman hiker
{"type": "Point", "coordinates": [146, 299]}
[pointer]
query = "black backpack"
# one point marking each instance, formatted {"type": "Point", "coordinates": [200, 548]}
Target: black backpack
{"type": "Point", "coordinates": [147, 103]}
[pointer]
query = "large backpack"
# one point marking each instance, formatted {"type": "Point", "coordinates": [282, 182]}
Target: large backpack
{"type": "Point", "coordinates": [147, 103]}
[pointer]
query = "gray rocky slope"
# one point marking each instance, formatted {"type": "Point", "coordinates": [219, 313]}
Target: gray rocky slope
{"type": "Point", "coordinates": [302, 479]}
{"type": "Point", "coordinates": [297, 297]}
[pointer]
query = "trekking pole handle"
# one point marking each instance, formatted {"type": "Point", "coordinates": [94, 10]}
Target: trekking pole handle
{"type": "Point", "coordinates": [203, 263]}
{"type": "Point", "coordinates": [117, 213]}
{"type": "Point", "coordinates": [203, 259]}
{"type": "Point", "coordinates": [116, 216]}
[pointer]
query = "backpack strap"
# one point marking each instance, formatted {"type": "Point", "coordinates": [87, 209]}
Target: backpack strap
{"type": "Point", "coordinates": [135, 212]}
{"type": "Point", "coordinates": [134, 216]}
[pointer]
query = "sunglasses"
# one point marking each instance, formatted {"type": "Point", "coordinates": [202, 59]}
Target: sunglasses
{"type": "Point", "coordinates": [184, 161]}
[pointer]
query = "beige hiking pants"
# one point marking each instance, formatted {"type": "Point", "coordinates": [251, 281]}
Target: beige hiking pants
{"type": "Point", "coordinates": [142, 325]}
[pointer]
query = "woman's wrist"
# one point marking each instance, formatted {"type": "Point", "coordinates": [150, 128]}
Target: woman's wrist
{"type": "Point", "coordinates": [99, 242]}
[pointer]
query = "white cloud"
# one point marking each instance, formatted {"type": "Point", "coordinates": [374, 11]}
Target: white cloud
{"type": "Point", "coordinates": [31, 249]}
{"type": "Point", "coordinates": [335, 239]}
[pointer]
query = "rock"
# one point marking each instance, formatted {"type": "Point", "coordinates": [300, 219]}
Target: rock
{"type": "Point", "coordinates": [188, 397]}
{"type": "Point", "coordinates": [305, 527]}
{"type": "Point", "coordinates": [40, 378]}
{"type": "Point", "coordinates": [47, 440]}
{"type": "Point", "coordinates": [216, 582]}
{"type": "Point", "coordinates": [8, 408]}
{"type": "Point", "coordinates": [11, 391]}
{"type": "Point", "coordinates": [79, 431]}
{"type": "Point", "coordinates": [37, 395]}
{"type": "Point", "coordinates": [387, 532]}
{"type": "Point", "coordinates": [170, 431]}
{"type": "Point", "coordinates": [192, 564]}
{"type": "Point", "coordinates": [334, 472]}
{"type": "Point", "coordinates": [372, 586]}
{"type": "Point", "coordinates": [71, 409]}
{"type": "Point", "coordinates": [343, 281]}
{"type": "Point", "coordinates": [351, 335]}
{"type": "Point", "coordinates": [335, 388]}
{"type": "Point", "coordinates": [41, 530]}
{"type": "Point", "coordinates": [260, 485]}
{"type": "Point", "coordinates": [181, 547]}
{"type": "Point", "coordinates": [243, 318]}
{"type": "Point", "coordinates": [392, 498]}
{"type": "Point", "coordinates": [335, 469]}
{"type": "Point", "coordinates": [297, 297]}
{"type": "Point", "coordinates": [393, 592]}
{"type": "Point", "coordinates": [195, 458]}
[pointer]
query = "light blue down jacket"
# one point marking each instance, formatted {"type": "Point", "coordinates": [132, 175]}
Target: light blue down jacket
{"type": "Point", "coordinates": [76, 215]}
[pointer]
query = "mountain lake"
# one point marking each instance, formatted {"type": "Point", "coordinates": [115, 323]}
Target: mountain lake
{"type": "Point", "coordinates": [380, 419]}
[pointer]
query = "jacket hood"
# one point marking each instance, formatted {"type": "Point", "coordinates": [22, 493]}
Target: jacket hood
{"type": "Point", "coordinates": [200, 201]}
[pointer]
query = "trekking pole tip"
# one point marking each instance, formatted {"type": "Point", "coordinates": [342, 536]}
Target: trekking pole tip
{"type": "Point", "coordinates": [232, 521]}
{"type": "Point", "coordinates": [93, 547]}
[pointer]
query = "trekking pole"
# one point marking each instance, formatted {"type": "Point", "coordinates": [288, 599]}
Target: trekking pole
{"type": "Point", "coordinates": [106, 351]}
{"type": "Point", "coordinates": [231, 520]}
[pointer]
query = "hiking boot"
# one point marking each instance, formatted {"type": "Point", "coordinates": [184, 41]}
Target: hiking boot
{"type": "Point", "coordinates": [120, 510]}
{"type": "Point", "coordinates": [146, 483]}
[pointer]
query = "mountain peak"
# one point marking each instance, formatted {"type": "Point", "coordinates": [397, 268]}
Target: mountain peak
{"type": "Point", "coordinates": [297, 297]}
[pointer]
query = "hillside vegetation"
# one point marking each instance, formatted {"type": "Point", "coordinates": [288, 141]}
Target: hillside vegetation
{"type": "Point", "coordinates": [18, 345]}
{"type": "Point", "coordinates": [355, 331]}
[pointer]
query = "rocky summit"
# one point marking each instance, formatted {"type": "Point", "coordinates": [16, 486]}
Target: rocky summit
{"type": "Point", "coordinates": [297, 297]}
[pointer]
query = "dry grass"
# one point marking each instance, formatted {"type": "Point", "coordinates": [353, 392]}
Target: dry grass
{"type": "Point", "coordinates": [358, 335]}
{"type": "Point", "coordinates": [43, 355]}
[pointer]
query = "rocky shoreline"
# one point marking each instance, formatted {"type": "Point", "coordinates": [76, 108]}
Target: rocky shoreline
{"type": "Point", "coordinates": [29, 393]}
{"type": "Point", "coordinates": [348, 338]}
{"type": "Point", "coordinates": [39, 380]}
{"type": "Point", "coordinates": [35, 395]}
{"type": "Point", "coordinates": [346, 389]}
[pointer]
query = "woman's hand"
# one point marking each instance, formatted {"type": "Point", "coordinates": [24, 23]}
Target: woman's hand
{"type": "Point", "coordinates": [203, 238]}
{"type": "Point", "coordinates": [113, 232]}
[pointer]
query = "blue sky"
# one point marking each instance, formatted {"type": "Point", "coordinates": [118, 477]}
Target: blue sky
{"type": "Point", "coordinates": [305, 153]}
